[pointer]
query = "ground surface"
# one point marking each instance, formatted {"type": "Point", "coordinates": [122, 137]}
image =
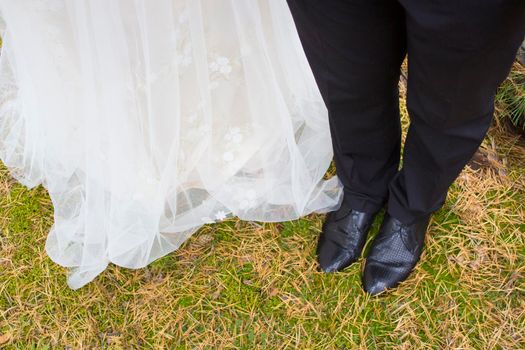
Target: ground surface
{"type": "Point", "coordinates": [249, 285]}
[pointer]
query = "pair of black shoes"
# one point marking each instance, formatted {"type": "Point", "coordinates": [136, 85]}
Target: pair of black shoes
{"type": "Point", "coordinates": [394, 252]}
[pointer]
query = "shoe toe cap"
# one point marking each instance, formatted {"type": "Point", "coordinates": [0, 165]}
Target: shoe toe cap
{"type": "Point", "coordinates": [332, 258]}
{"type": "Point", "coordinates": [377, 277]}
{"type": "Point", "coordinates": [375, 288]}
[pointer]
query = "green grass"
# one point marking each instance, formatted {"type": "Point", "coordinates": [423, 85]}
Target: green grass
{"type": "Point", "coordinates": [244, 285]}
{"type": "Point", "coordinates": [511, 98]}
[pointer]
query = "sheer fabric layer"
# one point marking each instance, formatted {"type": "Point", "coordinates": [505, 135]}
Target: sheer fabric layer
{"type": "Point", "coordinates": [147, 119]}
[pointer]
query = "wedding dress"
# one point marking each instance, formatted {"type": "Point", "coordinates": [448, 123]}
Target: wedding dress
{"type": "Point", "coordinates": [145, 120]}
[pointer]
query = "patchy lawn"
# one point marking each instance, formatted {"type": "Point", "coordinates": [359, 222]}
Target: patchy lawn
{"type": "Point", "coordinates": [247, 285]}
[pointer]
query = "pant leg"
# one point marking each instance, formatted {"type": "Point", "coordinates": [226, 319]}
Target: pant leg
{"type": "Point", "coordinates": [355, 49]}
{"type": "Point", "coordinates": [458, 54]}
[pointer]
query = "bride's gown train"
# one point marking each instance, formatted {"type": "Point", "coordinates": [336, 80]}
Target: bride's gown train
{"type": "Point", "coordinates": [147, 119]}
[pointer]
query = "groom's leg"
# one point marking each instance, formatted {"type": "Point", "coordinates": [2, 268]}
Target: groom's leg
{"type": "Point", "coordinates": [458, 54]}
{"type": "Point", "coordinates": [355, 49]}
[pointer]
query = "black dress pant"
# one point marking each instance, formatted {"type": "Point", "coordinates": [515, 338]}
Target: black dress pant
{"type": "Point", "coordinates": [459, 51]}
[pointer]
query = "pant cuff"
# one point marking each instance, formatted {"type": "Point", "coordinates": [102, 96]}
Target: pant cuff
{"type": "Point", "coordinates": [365, 205]}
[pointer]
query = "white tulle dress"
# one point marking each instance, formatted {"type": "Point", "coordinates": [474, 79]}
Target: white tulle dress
{"type": "Point", "coordinates": [146, 119]}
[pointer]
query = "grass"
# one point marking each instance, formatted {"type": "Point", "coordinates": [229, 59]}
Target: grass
{"type": "Point", "coordinates": [511, 99]}
{"type": "Point", "coordinates": [247, 285]}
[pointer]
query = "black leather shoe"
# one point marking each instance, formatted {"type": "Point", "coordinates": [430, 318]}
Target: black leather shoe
{"type": "Point", "coordinates": [342, 239]}
{"type": "Point", "coordinates": [394, 253]}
